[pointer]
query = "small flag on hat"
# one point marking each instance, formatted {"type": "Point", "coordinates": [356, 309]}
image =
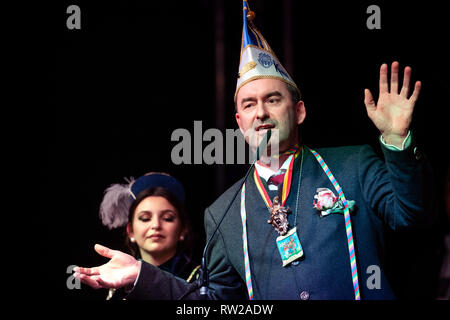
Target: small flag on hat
{"type": "Point", "coordinates": [258, 61]}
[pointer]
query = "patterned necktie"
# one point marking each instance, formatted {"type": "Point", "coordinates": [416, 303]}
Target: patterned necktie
{"type": "Point", "coordinates": [276, 179]}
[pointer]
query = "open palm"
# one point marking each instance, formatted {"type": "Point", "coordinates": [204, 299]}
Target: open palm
{"type": "Point", "coordinates": [120, 271]}
{"type": "Point", "coordinates": [392, 114]}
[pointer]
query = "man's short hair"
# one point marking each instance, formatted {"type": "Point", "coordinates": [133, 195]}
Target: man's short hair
{"type": "Point", "coordinates": [295, 93]}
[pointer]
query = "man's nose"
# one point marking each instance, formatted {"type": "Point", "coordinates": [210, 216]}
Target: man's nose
{"type": "Point", "coordinates": [261, 111]}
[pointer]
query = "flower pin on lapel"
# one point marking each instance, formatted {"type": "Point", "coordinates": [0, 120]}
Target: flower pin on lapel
{"type": "Point", "coordinates": [326, 202]}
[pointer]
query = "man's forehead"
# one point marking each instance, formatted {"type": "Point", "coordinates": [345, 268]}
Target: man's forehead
{"type": "Point", "coordinates": [261, 87]}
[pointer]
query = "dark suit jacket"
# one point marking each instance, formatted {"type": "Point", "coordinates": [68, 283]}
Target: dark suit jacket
{"type": "Point", "coordinates": [394, 193]}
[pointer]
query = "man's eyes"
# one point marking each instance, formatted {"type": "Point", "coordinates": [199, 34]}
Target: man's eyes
{"type": "Point", "coordinates": [273, 100]}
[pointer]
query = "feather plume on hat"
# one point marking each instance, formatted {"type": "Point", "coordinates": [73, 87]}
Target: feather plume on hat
{"type": "Point", "coordinates": [116, 204]}
{"type": "Point", "coordinates": [118, 198]}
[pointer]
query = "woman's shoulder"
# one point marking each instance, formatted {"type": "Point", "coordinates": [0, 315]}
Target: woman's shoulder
{"type": "Point", "coordinates": [188, 269]}
{"type": "Point", "coordinates": [182, 267]}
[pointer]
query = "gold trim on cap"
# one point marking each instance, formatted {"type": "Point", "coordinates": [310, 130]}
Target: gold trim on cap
{"type": "Point", "coordinates": [247, 67]}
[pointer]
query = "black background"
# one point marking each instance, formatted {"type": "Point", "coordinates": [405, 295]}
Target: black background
{"type": "Point", "coordinates": [138, 70]}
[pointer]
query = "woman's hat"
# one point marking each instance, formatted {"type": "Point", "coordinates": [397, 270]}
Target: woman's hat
{"type": "Point", "coordinates": [118, 198]}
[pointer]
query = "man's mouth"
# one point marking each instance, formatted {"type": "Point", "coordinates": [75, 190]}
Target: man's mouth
{"type": "Point", "coordinates": [264, 127]}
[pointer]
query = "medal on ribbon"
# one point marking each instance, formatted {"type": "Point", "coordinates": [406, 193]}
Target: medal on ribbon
{"type": "Point", "coordinates": [288, 242]}
{"type": "Point", "coordinates": [278, 217]}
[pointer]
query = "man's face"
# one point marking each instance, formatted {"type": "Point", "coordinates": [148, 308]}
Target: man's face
{"type": "Point", "coordinates": [267, 104]}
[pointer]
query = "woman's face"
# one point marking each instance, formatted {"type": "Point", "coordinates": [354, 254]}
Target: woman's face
{"type": "Point", "coordinates": [156, 227]}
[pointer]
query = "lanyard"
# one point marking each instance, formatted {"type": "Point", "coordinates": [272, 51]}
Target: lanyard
{"type": "Point", "coordinates": [348, 224]}
{"type": "Point", "coordinates": [266, 198]}
{"type": "Point", "coordinates": [248, 275]}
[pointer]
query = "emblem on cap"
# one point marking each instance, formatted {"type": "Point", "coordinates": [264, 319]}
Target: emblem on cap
{"type": "Point", "coordinates": [265, 60]}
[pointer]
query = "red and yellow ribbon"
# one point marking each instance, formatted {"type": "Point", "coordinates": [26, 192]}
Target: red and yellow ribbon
{"type": "Point", "coordinates": [286, 181]}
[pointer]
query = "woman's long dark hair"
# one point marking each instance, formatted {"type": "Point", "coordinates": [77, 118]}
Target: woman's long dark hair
{"type": "Point", "coordinates": [185, 246]}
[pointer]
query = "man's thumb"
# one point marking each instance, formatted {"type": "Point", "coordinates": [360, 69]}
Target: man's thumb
{"type": "Point", "coordinates": [368, 100]}
{"type": "Point", "coordinates": [104, 251]}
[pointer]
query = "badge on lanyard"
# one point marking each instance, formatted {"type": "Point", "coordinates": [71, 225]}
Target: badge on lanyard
{"type": "Point", "coordinates": [289, 247]}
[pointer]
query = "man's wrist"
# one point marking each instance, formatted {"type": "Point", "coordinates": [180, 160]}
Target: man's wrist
{"type": "Point", "coordinates": [396, 142]}
{"type": "Point", "coordinates": [134, 276]}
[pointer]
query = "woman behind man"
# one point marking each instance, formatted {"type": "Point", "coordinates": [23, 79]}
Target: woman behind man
{"type": "Point", "coordinates": [157, 226]}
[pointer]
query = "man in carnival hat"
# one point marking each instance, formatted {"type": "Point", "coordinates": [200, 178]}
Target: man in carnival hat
{"type": "Point", "coordinates": [307, 224]}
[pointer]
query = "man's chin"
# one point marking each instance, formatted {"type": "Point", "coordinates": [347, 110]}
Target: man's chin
{"type": "Point", "coordinates": [269, 151]}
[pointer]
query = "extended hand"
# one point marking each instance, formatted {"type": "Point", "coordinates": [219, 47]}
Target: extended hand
{"type": "Point", "coordinates": [120, 271]}
{"type": "Point", "coordinates": [392, 114]}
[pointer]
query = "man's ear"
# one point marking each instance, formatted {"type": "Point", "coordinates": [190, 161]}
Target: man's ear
{"type": "Point", "coordinates": [301, 112]}
{"type": "Point", "coordinates": [238, 120]}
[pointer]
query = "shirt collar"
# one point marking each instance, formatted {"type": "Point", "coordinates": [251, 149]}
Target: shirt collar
{"type": "Point", "coordinates": [266, 173]}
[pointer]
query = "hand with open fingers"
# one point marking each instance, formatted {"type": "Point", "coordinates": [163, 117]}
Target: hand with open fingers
{"type": "Point", "coordinates": [392, 114]}
{"type": "Point", "coordinates": [122, 270]}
